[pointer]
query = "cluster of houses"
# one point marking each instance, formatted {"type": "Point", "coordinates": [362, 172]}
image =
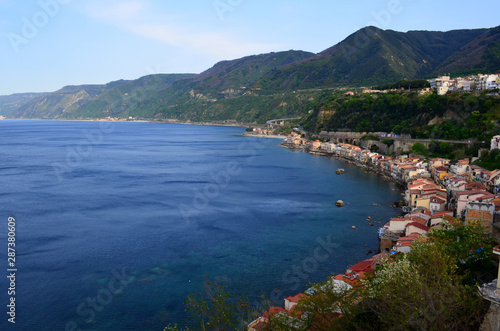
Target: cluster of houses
{"type": "Point", "coordinates": [262, 131]}
{"type": "Point", "coordinates": [401, 168]}
{"type": "Point", "coordinates": [479, 82]}
{"type": "Point", "coordinates": [436, 189]}
{"type": "Point", "coordinates": [293, 317]}
{"type": "Point", "coordinates": [110, 119]}
{"type": "Point", "coordinates": [445, 84]}
{"type": "Point", "coordinates": [434, 185]}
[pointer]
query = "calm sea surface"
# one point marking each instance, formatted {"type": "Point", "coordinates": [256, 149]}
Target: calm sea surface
{"type": "Point", "coordinates": [117, 223]}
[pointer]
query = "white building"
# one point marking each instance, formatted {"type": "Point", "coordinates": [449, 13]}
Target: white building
{"type": "Point", "coordinates": [495, 142]}
{"type": "Point", "coordinates": [442, 84]}
{"type": "Point", "coordinates": [492, 82]}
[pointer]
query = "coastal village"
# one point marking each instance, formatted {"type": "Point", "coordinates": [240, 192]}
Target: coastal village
{"type": "Point", "coordinates": [446, 84]}
{"type": "Point", "coordinates": [435, 189]}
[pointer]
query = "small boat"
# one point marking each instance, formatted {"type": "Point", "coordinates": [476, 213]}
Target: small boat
{"type": "Point", "coordinates": [339, 203]}
{"type": "Point", "coordinates": [339, 171]}
{"type": "Point", "coordinates": [369, 218]}
{"type": "Point", "coordinates": [353, 227]}
{"type": "Point", "coordinates": [370, 224]}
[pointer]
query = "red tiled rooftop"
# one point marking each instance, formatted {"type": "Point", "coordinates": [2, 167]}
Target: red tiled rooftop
{"type": "Point", "coordinates": [475, 186]}
{"type": "Point", "coordinates": [424, 216]}
{"type": "Point", "coordinates": [338, 277]}
{"type": "Point", "coordinates": [420, 181]}
{"type": "Point", "coordinates": [431, 189]}
{"type": "Point", "coordinates": [486, 195]}
{"type": "Point", "coordinates": [419, 226]}
{"type": "Point", "coordinates": [350, 278]}
{"type": "Point", "coordinates": [361, 266]}
{"type": "Point", "coordinates": [406, 243]}
{"type": "Point", "coordinates": [416, 219]}
{"type": "Point", "coordinates": [470, 192]}
{"type": "Point", "coordinates": [411, 236]}
{"type": "Point", "coordinates": [442, 213]}
{"type": "Point", "coordinates": [295, 298]}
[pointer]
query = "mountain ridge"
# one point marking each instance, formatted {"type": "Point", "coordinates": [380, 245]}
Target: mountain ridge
{"type": "Point", "coordinates": [259, 87]}
{"type": "Point", "coordinates": [372, 56]}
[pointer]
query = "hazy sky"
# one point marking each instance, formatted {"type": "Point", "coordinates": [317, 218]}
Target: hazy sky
{"type": "Point", "coordinates": [48, 44]}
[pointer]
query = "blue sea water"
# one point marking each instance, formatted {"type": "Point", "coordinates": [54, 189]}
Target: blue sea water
{"type": "Point", "coordinates": [117, 223]}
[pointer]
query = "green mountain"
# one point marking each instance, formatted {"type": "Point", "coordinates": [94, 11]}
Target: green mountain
{"type": "Point", "coordinates": [169, 96]}
{"type": "Point", "coordinates": [283, 84]}
{"type": "Point", "coordinates": [242, 73]}
{"type": "Point", "coordinates": [223, 92]}
{"type": "Point", "coordinates": [372, 56]}
{"type": "Point", "coordinates": [94, 101]}
{"type": "Point", "coordinates": [10, 103]}
{"type": "Point", "coordinates": [481, 55]}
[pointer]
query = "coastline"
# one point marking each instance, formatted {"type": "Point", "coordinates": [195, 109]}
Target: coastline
{"type": "Point", "coordinates": [274, 136]}
{"type": "Point", "coordinates": [216, 123]}
{"type": "Point", "coordinates": [365, 166]}
{"type": "Point", "coordinates": [369, 169]}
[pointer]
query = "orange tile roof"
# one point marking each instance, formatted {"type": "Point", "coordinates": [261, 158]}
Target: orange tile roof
{"type": "Point", "coordinates": [469, 192]}
{"type": "Point", "coordinates": [443, 213]}
{"type": "Point", "coordinates": [424, 216]}
{"type": "Point", "coordinates": [419, 226]}
{"type": "Point", "coordinates": [361, 266]}
{"type": "Point", "coordinates": [475, 186]}
{"type": "Point", "coordinates": [295, 298]}
{"type": "Point", "coordinates": [416, 219]}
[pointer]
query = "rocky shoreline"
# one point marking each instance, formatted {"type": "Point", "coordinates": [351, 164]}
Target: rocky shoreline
{"type": "Point", "coordinates": [366, 167]}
